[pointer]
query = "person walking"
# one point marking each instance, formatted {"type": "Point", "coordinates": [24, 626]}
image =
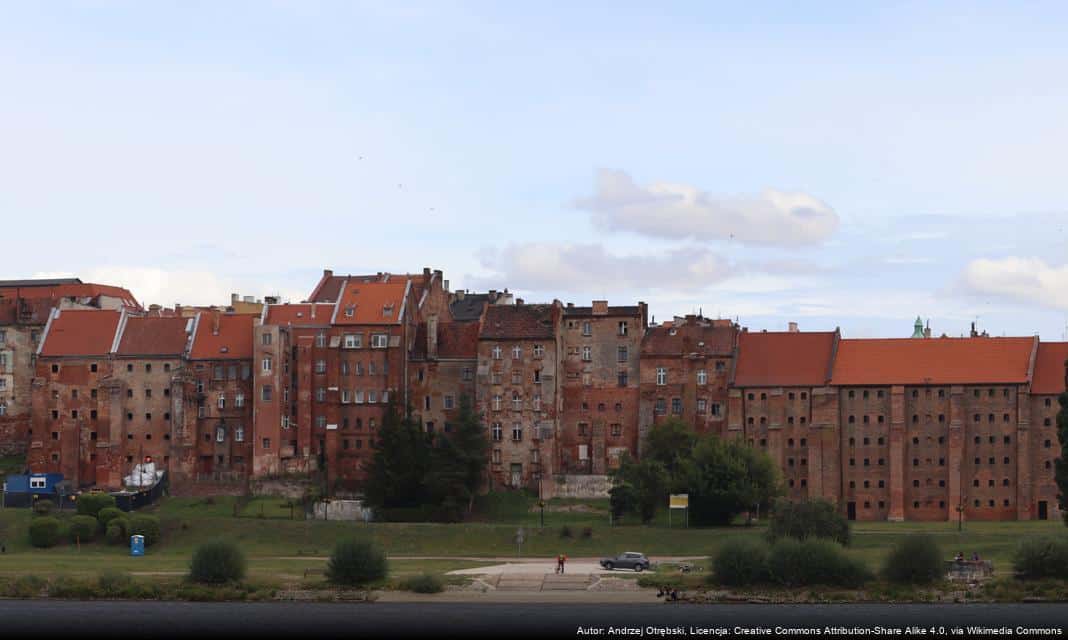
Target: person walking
{"type": "Point", "coordinates": [563, 563]}
{"type": "Point", "coordinates": [559, 563]}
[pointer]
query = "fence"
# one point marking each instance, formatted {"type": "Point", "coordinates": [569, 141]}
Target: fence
{"type": "Point", "coordinates": [131, 501]}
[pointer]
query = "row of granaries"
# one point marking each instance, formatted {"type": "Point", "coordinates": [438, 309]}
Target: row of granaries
{"type": "Point", "coordinates": [889, 429]}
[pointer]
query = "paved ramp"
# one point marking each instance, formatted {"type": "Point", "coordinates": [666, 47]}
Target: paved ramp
{"type": "Point", "coordinates": [530, 582]}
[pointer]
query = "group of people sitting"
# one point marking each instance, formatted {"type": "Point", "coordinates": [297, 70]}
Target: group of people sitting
{"type": "Point", "coordinates": [960, 557]}
{"type": "Point", "coordinates": [667, 592]}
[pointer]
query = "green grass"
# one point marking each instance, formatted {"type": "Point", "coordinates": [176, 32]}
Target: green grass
{"type": "Point", "coordinates": [288, 548]}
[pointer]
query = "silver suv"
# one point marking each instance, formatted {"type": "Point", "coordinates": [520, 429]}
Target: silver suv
{"type": "Point", "coordinates": [627, 560]}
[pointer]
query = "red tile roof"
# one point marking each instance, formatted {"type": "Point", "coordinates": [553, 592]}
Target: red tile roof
{"type": "Point", "coordinates": [684, 339]}
{"type": "Point", "coordinates": [784, 359]}
{"type": "Point", "coordinates": [455, 340]}
{"type": "Point", "coordinates": [223, 336]}
{"type": "Point", "coordinates": [372, 302]}
{"type": "Point", "coordinates": [86, 290]}
{"type": "Point", "coordinates": [933, 361]}
{"type": "Point", "coordinates": [518, 322]}
{"type": "Point", "coordinates": [1050, 375]}
{"type": "Point", "coordinates": [329, 287]}
{"type": "Point", "coordinates": [153, 336]}
{"type": "Point", "coordinates": [80, 333]}
{"type": "Point", "coordinates": [303, 314]}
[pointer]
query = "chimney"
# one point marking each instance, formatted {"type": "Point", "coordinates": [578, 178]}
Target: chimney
{"type": "Point", "coordinates": [493, 296]}
{"type": "Point", "coordinates": [793, 327]}
{"type": "Point", "coordinates": [328, 273]}
{"type": "Point", "coordinates": [974, 334]}
{"type": "Point", "coordinates": [600, 307]}
{"type": "Point", "coordinates": [518, 301]}
{"type": "Point", "coordinates": [233, 298]}
{"type": "Point", "coordinates": [432, 337]}
{"type": "Point", "coordinates": [570, 305]}
{"type": "Point", "coordinates": [154, 307]}
{"type": "Point", "coordinates": [927, 330]}
{"type": "Point", "coordinates": [214, 324]}
{"type": "Point", "coordinates": [270, 299]}
{"type": "Point", "coordinates": [426, 272]}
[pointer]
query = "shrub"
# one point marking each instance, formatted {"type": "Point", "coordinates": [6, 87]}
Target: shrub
{"type": "Point", "coordinates": [217, 562]}
{"type": "Point", "coordinates": [1041, 557]}
{"type": "Point", "coordinates": [107, 514]}
{"type": "Point", "coordinates": [82, 528]}
{"type": "Point", "coordinates": [565, 532]}
{"type": "Point", "coordinates": [43, 507]}
{"type": "Point", "coordinates": [424, 583]}
{"type": "Point", "coordinates": [117, 530]}
{"type": "Point", "coordinates": [808, 519]}
{"type": "Point", "coordinates": [27, 586]}
{"type": "Point", "coordinates": [90, 504]}
{"type": "Point", "coordinates": [70, 587]}
{"type": "Point", "coordinates": [355, 563]}
{"type": "Point", "coordinates": [915, 559]}
{"type": "Point", "coordinates": [147, 526]}
{"type": "Point", "coordinates": [112, 582]}
{"type": "Point", "coordinates": [801, 563]}
{"type": "Point", "coordinates": [587, 533]}
{"type": "Point", "coordinates": [44, 531]}
{"type": "Point", "coordinates": [741, 562]}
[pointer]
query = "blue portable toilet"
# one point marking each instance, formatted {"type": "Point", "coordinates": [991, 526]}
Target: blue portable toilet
{"type": "Point", "coordinates": [137, 545]}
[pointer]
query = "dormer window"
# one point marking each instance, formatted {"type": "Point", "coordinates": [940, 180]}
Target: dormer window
{"type": "Point", "coordinates": [387, 310]}
{"type": "Point", "coordinates": [350, 312]}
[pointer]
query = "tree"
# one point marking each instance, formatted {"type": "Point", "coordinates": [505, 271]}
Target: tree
{"type": "Point", "coordinates": [398, 473]}
{"type": "Point", "coordinates": [725, 478]}
{"type": "Point", "coordinates": [459, 460]}
{"type": "Point", "coordinates": [639, 486]}
{"type": "Point", "coordinates": [669, 443]}
{"type": "Point", "coordinates": [1061, 463]}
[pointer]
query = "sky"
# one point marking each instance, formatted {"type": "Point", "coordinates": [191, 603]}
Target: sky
{"type": "Point", "coordinates": [837, 164]}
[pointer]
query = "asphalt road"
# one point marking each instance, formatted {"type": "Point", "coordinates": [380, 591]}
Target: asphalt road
{"type": "Point", "coordinates": [21, 618]}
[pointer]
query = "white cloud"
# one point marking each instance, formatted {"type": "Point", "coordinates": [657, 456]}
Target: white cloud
{"type": "Point", "coordinates": [588, 267]}
{"type": "Point", "coordinates": [1029, 280]}
{"type": "Point", "coordinates": [666, 210]}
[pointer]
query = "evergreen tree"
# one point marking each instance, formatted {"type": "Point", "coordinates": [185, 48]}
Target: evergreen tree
{"type": "Point", "coordinates": [399, 468]}
{"type": "Point", "coordinates": [459, 462]}
{"type": "Point", "coordinates": [1061, 463]}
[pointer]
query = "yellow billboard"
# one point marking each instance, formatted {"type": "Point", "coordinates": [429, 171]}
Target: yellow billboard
{"type": "Point", "coordinates": [679, 501]}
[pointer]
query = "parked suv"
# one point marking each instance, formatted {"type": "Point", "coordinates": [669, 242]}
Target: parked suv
{"type": "Point", "coordinates": [627, 560]}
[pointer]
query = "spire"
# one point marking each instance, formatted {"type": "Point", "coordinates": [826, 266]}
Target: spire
{"type": "Point", "coordinates": [918, 328]}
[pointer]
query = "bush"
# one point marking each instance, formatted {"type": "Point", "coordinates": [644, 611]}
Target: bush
{"type": "Point", "coordinates": [63, 586]}
{"type": "Point", "coordinates": [27, 586]}
{"type": "Point", "coordinates": [808, 519]}
{"type": "Point", "coordinates": [915, 559]}
{"type": "Point", "coordinates": [795, 563]}
{"type": "Point", "coordinates": [43, 507]}
{"type": "Point", "coordinates": [147, 526]}
{"type": "Point", "coordinates": [741, 562]}
{"type": "Point", "coordinates": [565, 532]}
{"type": "Point", "coordinates": [90, 504]}
{"type": "Point", "coordinates": [424, 583]}
{"type": "Point", "coordinates": [355, 563]}
{"type": "Point", "coordinates": [82, 528]}
{"type": "Point", "coordinates": [1041, 557]}
{"type": "Point", "coordinates": [217, 562]}
{"type": "Point", "coordinates": [107, 514]}
{"type": "Point", "coordinates": [587, 533]}
{"type": "Point", "coordinates": [112, 582]}
{"type": "Point", "coordinates": [44, 532]}
{"type": "Point", "coordinates": [117, 530]}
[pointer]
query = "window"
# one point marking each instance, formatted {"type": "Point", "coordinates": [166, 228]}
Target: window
{"type": "Point", "coordinates": [265, 393]}
{"type": "Point", "coordinates": [661, 377]}
{"type": "Point", "coordinates": [496, 352]}
{"type": "Point", "coordinates": [222, 401]}
{"type": "Point", "coordinates": [466, 374]}
{"type": "Point", "coordinates": [587, 354]}
{"type": "Point", "coordinates": [539, 351]}
{"type": "Point", "coordinates": [517, 432]}
{"type": "Point", "coordinates": [617, 430]}
{"type": "Point", "coordinates": [517, 352]}
{"type": "Point", "coordinates": [621, 378]}
{"type": "Point", "coordinates": [661, 407]}
{"type": "Point", "coordinates": [379, 341]}
{"type": "Point", "coordinates": [716, 411]}
{"type": "Point", "coordinates": [496, 403]}
{"type": "Point", "coordinates": [622, 327]}
{"type": "Point", "coordinates": [220, 434]}
{"type": "Point", "coordinates": [450, 401]}
{"type": "Point", "coordinates": [217, 373]}
{"type": "Point", "coordinates": [702, 377]}
{"type": "Point", "coordinates": [622, 353]}
{"type": "Point", "coordinates": [587, 328]}
{"type": "Point", "coordinates": [702, 406]}
{"type": "Point", "coordinates": [517, 376]}
{"type": "Point", "coordinates": [372, 396]}
{"type": "Point", "coordinates": [496, 456]}
{"type": "Point", "coordinates": [346, 396]}
{"type": "Point", "coordinates": [148, 368]}
{"type": "Point", "coordinates": [266, 443]}
{"type": "Point", "coordinates": [496, 431]}
{"type": "Point", "coordinates": [320, 394]}
{"type": "Point", "coordinates": [266, 365]}
{"type": "Point", "coordinates": [358, 396]}
{"type": "Point", "coordinates": [265, 339]}
{"type": "Point", "coordinates": [536, 401]}
{"type": "Point", "coordinates": [239, 400]}
{"type": "Point", "coordinates": [353, 340]}
{"type": "Point", "coordinates": [676, 406]}
{"type": "Point", "coordinates": [517, 402]}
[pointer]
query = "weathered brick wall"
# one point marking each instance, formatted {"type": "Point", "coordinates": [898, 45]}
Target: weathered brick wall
{"type": "Point", "coordinates": [581, 486]}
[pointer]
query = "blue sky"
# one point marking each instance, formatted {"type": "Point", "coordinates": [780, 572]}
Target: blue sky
{"type": "Point", "coordinates": [834, 164]}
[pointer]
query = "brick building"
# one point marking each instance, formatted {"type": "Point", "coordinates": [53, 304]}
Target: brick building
{"type": "Point", "coordinates": [25, 306]}
{"type": "Point", "coordinates": [778, 401]}
{"type": "Point", "coordinates": [600, 352]}
{"type": "Point", "coordinates": [685, 370]}
{"type": "Point", "coordinates": [518, 391]}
